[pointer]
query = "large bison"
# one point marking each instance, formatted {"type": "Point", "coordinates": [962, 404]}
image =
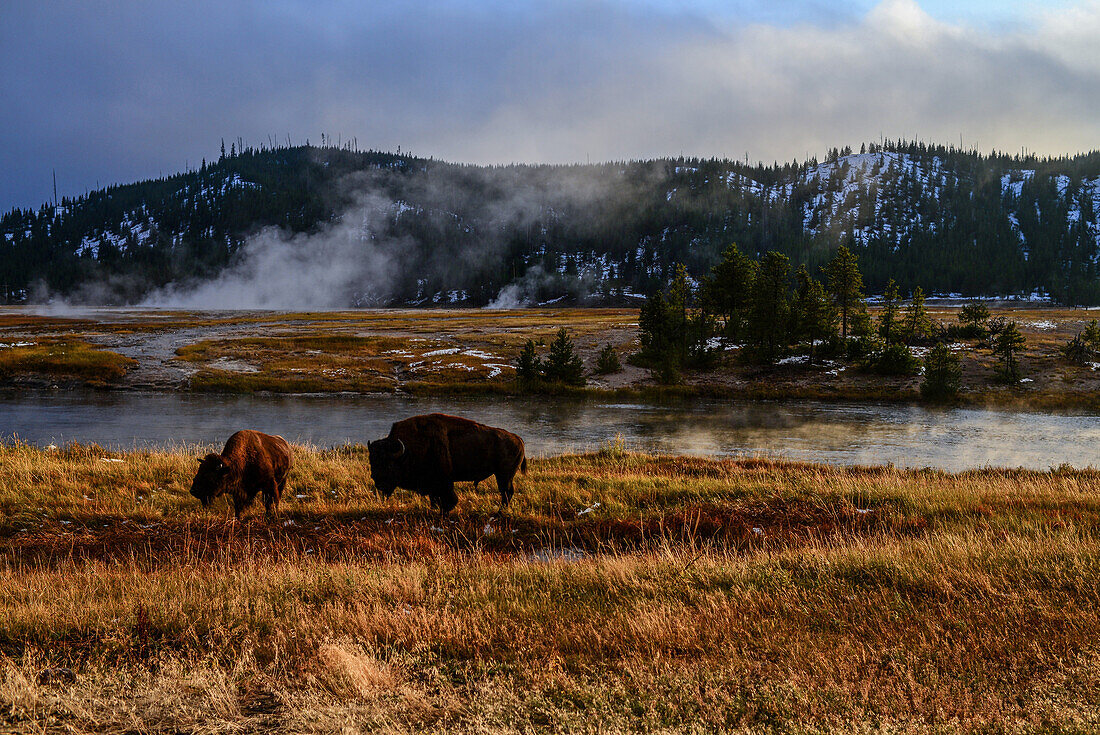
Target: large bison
{"type": "Point", "coordinates": [251, 463]}
{"type": "Point", "coordinates": [429, 454]}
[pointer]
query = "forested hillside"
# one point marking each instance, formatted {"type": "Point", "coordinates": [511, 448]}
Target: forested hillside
{"type": "Point", "coordinates": [419, 231]}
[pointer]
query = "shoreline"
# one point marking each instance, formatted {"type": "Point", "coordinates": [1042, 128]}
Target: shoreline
{"type": "Point", "coordinates": [1008, 399]}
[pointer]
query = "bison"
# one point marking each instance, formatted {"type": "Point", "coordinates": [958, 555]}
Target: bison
{"type": "Point", "coordinates": [429, 454]}
{"type": "Point", "coordinates": [250, 463]}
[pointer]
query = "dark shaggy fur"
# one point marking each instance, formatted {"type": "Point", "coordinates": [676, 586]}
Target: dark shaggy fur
{"type": "Point", "coordinates": [429, 454]}
{"type": "Point", "coordinates": [251, 463]}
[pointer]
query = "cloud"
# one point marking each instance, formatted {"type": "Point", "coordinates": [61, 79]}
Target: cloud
{"type": "Point", "coordinates": [139, 88]}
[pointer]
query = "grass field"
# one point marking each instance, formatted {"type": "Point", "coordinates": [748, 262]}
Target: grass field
{"type": "Point", "coordinates": [620, 593]}
{"type": "Point", "coordinates": [63, 360]}
{"type": "Point", "coordinates": [468, 351]}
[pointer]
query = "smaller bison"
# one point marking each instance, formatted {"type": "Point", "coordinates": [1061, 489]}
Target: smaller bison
{"type": "Point", "coordinates": [250, 463]}
{"type": "Point", "coordinates": [429, 454]}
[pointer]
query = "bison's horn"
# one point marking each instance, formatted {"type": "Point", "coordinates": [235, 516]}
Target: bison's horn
{"type": "Point", "coordinates": [400, 448]}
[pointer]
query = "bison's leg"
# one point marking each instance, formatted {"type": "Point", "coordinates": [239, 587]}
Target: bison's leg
{"type": "Point", "coordinates": [504, 484]}
{"type": "Point", "coordinates": [447, 499]}
{"type": "Point", "coordinates": [272, 493]}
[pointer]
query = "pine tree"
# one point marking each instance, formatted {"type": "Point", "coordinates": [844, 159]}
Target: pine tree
{"type": "Point", "coordinates": [563, 364]}
{"type": "Point", "coordinates": [888, 316]}
{"type": "Point", "coordinates": [770, 307]}
{"type": "Point", "coordinates": [1078, 350]}
{"type": "Point", "coordinates": [653, 326]}
{"type": "Point", "coordinates": [1007, 346]}
{"type": "Point", "coordinates": [845, 285]}
{"type": "Point", "coordinates": [528, 364]}
{"type": "Point", "coordinates": [813, 318]}
{"type": "Point", "coordinates": [974, 313]}
{"type": "Point", "coordinates": [918, 325]}
{"type": "Point", "coordinates": [679, 302]}
{"type": "Point", "coordinates": [727, 291]}
{"type": "Point", "coordinates": [1091, 335]}
{"type": "Point", "coordinates": [942, 374]}
{"type": "Point", "coordinates": [607, 361]}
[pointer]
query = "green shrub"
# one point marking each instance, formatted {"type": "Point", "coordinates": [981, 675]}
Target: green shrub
{"type": "Point", "coordinates": [895, 359]}
{"type": "Point", "coordinates": [942, 374]}
{"type": "Point", "coordinates": [1078, 351]}
{"type": "Point", "coordinates": [607, 361]}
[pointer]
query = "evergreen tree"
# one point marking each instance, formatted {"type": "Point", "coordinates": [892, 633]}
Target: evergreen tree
{"type": "Point", "coordinates": [563, 364]}
{"type": "Point", "coordinates": [1006, 346]}
{"type": "Point", "coordinates": [528, 364]}
{"type": "Point", "coordinates": [813, 318]}
{"type": "Point", "coordinates": [1091, 334]}
{"type": "Point", "coordinates": [974, 313]}
{"type": "Point", "coordinates": [845, 285]}
{"type": "Point", "coordinates": [770, 306]}
{"type": "Point", "coordinates": [727, 291]}
{"type": "Point", "coordinates": [942, 374]}
{"type": "Point", "coordinates": [607, 361]}
{"type": "Point", "coordinates": [888, 315]}
{"type": "Point", "coordinates": [974, 318]}
{"type": "Point", "coordinates": [653, 326]}
{"type": "Point", "coordinates": [679, 303]}
{"type": "Point", "coordinates": [918, 325]}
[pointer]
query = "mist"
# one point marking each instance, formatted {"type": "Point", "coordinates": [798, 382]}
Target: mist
{"type": "Point", "coordinates": [443, 235]}
{"type": "Point", "coordinates": [349, 263]}
{"type": "Point", "coordinates": [371, 254]}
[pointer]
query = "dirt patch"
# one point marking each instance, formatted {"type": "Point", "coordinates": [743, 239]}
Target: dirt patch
{"type": "Point", "coordinates": [233, 366]}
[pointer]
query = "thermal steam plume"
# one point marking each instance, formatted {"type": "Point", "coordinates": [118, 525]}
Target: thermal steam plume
{"type": "Point", "coordinates": [347, 264]}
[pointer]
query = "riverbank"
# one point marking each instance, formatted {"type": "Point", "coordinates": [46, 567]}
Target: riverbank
{"type": "Point", "coordinates": [450, 352]}
{"type": "Point", "coordinates": [620, 593]}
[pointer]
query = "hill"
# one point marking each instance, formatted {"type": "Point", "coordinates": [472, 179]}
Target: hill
{"type": "Point", "coordinates": [329, 227]}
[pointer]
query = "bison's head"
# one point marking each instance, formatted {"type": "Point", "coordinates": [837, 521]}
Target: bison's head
{"type": "Point", "coordinates": [211, 479]}
{"type": "Point", "coordinates": [384, 457]}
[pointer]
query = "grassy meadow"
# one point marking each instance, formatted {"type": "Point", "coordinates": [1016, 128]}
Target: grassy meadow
{"type": "Point", "coordinates": [474, 351]}
{"type": "Point", "coordinates": [63, 360]}
{"type": "Point", "coordinates": [620, 593]}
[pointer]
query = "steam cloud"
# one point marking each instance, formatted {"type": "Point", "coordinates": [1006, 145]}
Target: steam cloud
{"type": "Point", "coordinates": [365, 258]}
{"type": "Point", "coordinates": [347, 264]}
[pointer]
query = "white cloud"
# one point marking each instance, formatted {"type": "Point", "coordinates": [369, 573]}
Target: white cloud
{"type": "Point", "coordinates": [130, 94]}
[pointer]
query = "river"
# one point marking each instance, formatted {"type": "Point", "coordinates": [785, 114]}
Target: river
{"type": "Point", "coordinates": [952, 439]}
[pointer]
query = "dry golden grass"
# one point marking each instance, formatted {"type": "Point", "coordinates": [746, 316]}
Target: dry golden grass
{"type": "Point", "coordinates": [421, 351]}
{"type": "Point", "coordinates": [72, 360]}
{"type": "Point", "coordinates": [267, 351]}
{"type": "Point", "coordinates": [869, 599]}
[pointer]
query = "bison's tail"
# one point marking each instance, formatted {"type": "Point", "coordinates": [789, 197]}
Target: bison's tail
{"type": "Point", "coordinates": [523, 466]}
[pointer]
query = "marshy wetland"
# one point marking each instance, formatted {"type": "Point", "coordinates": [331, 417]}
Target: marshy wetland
{"type": "Point", "coordinates": [474, 352]}
{"type": "Point", "coordinates": [782, 579]}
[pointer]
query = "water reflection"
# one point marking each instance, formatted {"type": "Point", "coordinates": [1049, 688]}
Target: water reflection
{"type": "Point", "coordinates": [910, 436]}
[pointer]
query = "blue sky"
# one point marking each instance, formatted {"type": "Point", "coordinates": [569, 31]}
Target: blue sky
{"type": "Point", "coordinates": [121, 91]}
{"type": "Point", "coordinates": [979, 13]}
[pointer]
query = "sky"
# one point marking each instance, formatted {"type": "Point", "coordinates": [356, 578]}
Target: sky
{"type": "Point", "coordinates": [112, 92]}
